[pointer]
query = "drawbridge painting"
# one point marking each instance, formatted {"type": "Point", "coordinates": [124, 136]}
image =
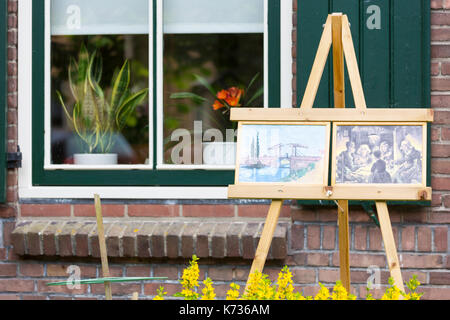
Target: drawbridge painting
{"type": "Point", "coordinates": [283, 153]}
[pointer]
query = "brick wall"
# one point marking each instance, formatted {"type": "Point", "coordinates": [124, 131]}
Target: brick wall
{"type": "Point", "coordinates": [223, 233]}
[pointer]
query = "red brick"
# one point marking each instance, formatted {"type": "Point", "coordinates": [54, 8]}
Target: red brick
{"type": "Point", "coordinates": [108, 210]}
{"type": "Point", "coordinates": [441, 166]}
{"type": "Point", "coordinates": [435, 293]}
{"type": "Point", "coordinates": [408, 238]}
{"type": "Point", "coordinates": [297, 237]}
{"type": "Point", "coordinates": [313, 237]}
{"type": "Point", "coordinates": [445, 68]}
{"type": "Point", "coordinates": [375, 239]}
{"type": "Point", "coordinates": [440, 34]}
{"type": "Point", "coordinates": [424, 239]}
{"type": "Point", "coordinates": [8, 270]}
{"type": "Point", "coordinates": [362, 260]}
{"type": "Point", "coordinates": [442, 117]}
{"type": "Point", "coordinates": [436, 199]}
{"type": "Point", "coordinates": [440, 51]}
{"type": "Point", "coordinates": [435, 68]}
{"type": "Point", "coordinates": [303, 275]}
{"type": "Point", "coordinates": [441, 239]}
{"type": "Point", "coordinates": [329, 275]}
{"type": "Point", "coordinates": [422, 261]}
{"type": "Point", "coordinates": [440, 150]}
{"type": "Point", "coordinates": [436, 4]}
{"type": "Point", "coordinates": [138, 271]}
{"type": "Point", "coordinates": [158, 239]}
{"type": "Point", "coordinates": [445, 134]}
{"type": "Point", "coordinates": [440, 217]}
{"type": "Point", "coordinates": [435, 134]}
{"type": "Point", "coordinates": [153, 210]}
{"type": "Point", "coordinates": [317, 259]}
{"type": "Point", "coordinates": [45, 210]}
{"type": "Point", "coordinates": [7, 211]}
{"type": "Point", "coordinates": [221, 273]}
{"type": "Point", "coordinates": [206, 210]}
{"type": "Point", "coordinates": [440, 100]}
{"type": "Point", "coordinates": [440, 277]}
{"type": "Point", "coordinates": [43, 288]}
{"type": "Point", "coordinates": [31, 269]}
{"type": "Point", "coordinates": [440, 18]}
{"type": "Point", "coordinates": [171, 288]}
{"type": "Point", "coordinates": [440, 183]}
{"type": "Point", "coordinates": [329, 238]}
{"type": "Point", "coordinates": [304, 213]}
{"type": "Point", "coordinates": [360, 238]}
{"type": "Point", "coordinates": [171, 272]}
{"type": "Point", "coordinates": [16, 285]}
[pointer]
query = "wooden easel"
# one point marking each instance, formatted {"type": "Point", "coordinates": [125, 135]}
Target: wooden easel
{"type": "Point", "coordinates": [106, 279]}
{"type": "Point", "coordinates": [337, 34]}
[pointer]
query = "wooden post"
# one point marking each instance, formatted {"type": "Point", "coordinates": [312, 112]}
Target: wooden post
{"type": "Point", "coordinates": [389, 244]}
{"type": "Point", "coordinates": [339, 102]}
{"type": "Point", "coordinates": [266, 237]}
{"type": "Point", "coordinates": [102, 245]}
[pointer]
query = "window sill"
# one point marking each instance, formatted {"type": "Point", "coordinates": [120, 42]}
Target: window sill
{"type": "Point", "coordinates": [146, 239]}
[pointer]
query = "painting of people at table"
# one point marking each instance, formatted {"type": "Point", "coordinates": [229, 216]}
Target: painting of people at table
{"type": "Point", "coordinates": [374, 154]}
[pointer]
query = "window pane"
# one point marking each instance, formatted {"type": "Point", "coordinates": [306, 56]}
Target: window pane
{"type": "Point", "coordinates": [204, 75]}
{"type": "Point", "coordinates": [99, 17]}
{"type": "Point", "coordinates": [213, 16]}
{"type": "Point", "coordinates": [99, 94]}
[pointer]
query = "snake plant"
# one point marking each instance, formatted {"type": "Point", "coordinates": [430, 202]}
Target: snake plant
{"type": "Point", "coordinates": [95, 117]}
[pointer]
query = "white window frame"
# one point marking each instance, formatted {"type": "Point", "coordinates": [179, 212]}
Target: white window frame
{"type": "Point", "coordinates": [27, 190]}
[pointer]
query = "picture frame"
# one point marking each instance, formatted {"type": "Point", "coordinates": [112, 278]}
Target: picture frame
{"type": "Point", "coordinates": [291, 153]}
{"type": "Point", "coordinates": [388, 154]}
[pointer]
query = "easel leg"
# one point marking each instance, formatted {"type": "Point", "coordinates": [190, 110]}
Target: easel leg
{"type": "Point", "coordinates": [344, 244]}
{"type": "Point", "coordinates": [102, 245]}
{"type": "Point", "coordinates": [389, 244]}
{"type": "Point", "coordinates": [266, 237]}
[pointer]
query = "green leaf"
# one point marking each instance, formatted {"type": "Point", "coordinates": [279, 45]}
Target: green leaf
{"type": "Point", "coordinates": [255, 96]}
{"type": "Point", "coordinates": [187, 95]}
{"type": "Point", "coordinates": [128, 107]}
{"type": "Point", "coordinates": [120, 85]}
{"type": "Point", "coordinates": [205, 83]}
{"type": "Point", "coordinates": [64, 106]}
{"type": "Point", "coordinates": [251, 82]}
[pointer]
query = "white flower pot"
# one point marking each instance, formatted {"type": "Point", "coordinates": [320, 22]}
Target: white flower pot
{"type": "Point", "coordinates": [95, 158]}
{"type": "Point", "coordinates": [219, 153]}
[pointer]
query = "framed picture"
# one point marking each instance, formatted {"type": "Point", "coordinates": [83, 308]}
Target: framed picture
{"type": "Point", "coordinates": [379, 153]}
{"type": "Point", "coordinates": [271, 152]}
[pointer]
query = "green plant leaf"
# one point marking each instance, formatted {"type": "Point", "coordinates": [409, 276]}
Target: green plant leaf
{"type": "Point", "coordinates": [128, 107]}
{"type": "Point", "coordinates": [64, 106]}
{"type": "Point", "coordinates": [255, 96]}
{"type": "Point", "coordinates": [205, 83]}
{"type": "Point", "coordinates": [187, 95]}
{"type": "Point", "coordinates": [251, 82]}
{"type": "Point", "coordinates": [120, 85]}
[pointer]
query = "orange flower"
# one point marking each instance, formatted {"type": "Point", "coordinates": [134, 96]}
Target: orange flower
{"type": "Point", "coordinates": [217, 105]}
{"type": "Point", "coordinates": [234, 96]}
{"type": "Point", "coordinates": [222, 95]}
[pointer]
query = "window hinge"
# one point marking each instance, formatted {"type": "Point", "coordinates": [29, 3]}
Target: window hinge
{"type": "Point", "coordinates": [14, 159]}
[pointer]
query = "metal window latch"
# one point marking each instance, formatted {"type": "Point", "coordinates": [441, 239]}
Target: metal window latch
{"type": "Point", "coordinates": [14, 159]}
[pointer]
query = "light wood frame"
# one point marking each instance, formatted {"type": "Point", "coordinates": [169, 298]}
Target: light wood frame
{"type": "Point", "coordinates": [327, 146]}
{"type": "Point", "coordinates": [390, 185]}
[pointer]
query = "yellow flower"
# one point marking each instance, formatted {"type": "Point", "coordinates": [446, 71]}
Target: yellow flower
{"type": "Point", "coordinates": [259, 287]}
{"type": "Point", "coordinates": [323, 294]}
{"type": "Point", "coordinates": [160, 294]}
{"type": "Point", "coordinates": [208, 290]}
{"type": "Point", "coordinates": [233, 293]}
{"type": "Point", "coordinates": [340, 293]}
{"type": "Point", "coordinates": [189, 280]}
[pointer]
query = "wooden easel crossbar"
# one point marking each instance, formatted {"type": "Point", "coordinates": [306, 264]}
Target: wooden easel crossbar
{"type": "Point", "coordinates": [337, 35]}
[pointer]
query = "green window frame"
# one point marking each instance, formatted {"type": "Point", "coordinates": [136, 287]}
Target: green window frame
{"type": "Point", "coordinates": [3, 100]}
{"type": "Point", "coordinates": [394, 61]}
{"type": "Point", "coordinates": [196, 177]}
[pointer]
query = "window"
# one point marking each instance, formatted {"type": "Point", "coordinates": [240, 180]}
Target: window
{"type": "Point", "coordinates": [168, 51]}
